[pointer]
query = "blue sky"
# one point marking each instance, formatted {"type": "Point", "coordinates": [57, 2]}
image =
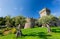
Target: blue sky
{"type": "Point", "coordinates": [28, 8]}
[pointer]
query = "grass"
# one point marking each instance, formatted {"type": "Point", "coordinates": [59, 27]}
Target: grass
{"type": "Point", "coordinates": [36, 33]}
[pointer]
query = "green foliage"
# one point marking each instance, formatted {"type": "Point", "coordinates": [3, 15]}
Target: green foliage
{"type": "Point", "coordinates": [19, 20]}
{"type": "Point", "coordinates": [59, 17]}
{"type": "Point", "coordinates": [7, 28]}
{"type": "Point", "coordinates": [8, 21]}
{"type": "Point", "coordinates": [47, 19]}
{"type": "Point", "coordinates": [13, 30]}
{"type": "Point", "coordinates": [14, 21]}
{"type": "Point", "coordinates": [1, 32]}
{"type": "Point", "coordinates": [2, 21]}
{"type": "Point", "coordinates": [35, 26]}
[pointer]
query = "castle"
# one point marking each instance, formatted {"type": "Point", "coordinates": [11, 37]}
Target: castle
{"type": "Point", "coordinates": [30, 22]}
{"type": "Point", "coordinates": [43, 12]}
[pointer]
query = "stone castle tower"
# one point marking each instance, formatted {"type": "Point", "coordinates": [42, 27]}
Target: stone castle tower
{"type": "Point", "coordinates": [30, 22]}
{"type": "Point", "coordinates": [44, 12]}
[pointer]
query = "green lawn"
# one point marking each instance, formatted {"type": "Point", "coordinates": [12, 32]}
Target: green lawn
{"type": "Point", "coordinates": [36, 33]}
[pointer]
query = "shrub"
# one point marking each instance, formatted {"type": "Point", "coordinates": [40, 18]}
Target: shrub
{"type": "Point", "coordinates": [1, 32]}
{"type": "Point", "coordinates": [35, 26]}
{"type": "Point", "coordinates": [13, 30]}
{"type": "Point", "coordinates": [7, 28]}
{"type": "Point", "coordinates": [7, 32]}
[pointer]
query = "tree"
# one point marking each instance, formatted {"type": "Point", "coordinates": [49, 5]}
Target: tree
{"type": "Point", "coordinates": [13, 21]}
{"type": "Point", "coordinates": [8, 21]}
{"type": "Point", "coordinates": [46, 20]}
{"type": "Point", "coordinates": [19, 32]}
{"type": "Point", "coordinates": [59, 21]}
{"type": "Point", "coordinates": [2, 21]}
{"type": "Point", "coordinates": [59, 17]}
{"type": "Point", "coordinates": [19, 20]}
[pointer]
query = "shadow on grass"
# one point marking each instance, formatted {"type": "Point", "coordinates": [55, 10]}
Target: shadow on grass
{"type": "Point", "coordinates": [40, 34]}
{"type": "Point", "coordinates": [56, 30]}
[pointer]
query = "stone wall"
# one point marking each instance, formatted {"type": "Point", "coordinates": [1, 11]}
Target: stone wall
{"type": "Point", "coordinates": [29, 23]}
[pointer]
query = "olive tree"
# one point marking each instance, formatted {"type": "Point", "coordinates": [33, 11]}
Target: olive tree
{"type": "Point", "coordinates": [8, 21]}
{"type": "Point", "coordinates": [45, 21]}
{"type": "Point", "coordinates": [19, 20]}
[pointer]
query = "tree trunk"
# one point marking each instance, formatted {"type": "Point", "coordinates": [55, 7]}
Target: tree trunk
{"type": "Point", "coordinates": [43, 25]}
{"type": "Point", "coordinates": [49, 30]}
{"type": "Point", "coordinates": [19, 32]}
